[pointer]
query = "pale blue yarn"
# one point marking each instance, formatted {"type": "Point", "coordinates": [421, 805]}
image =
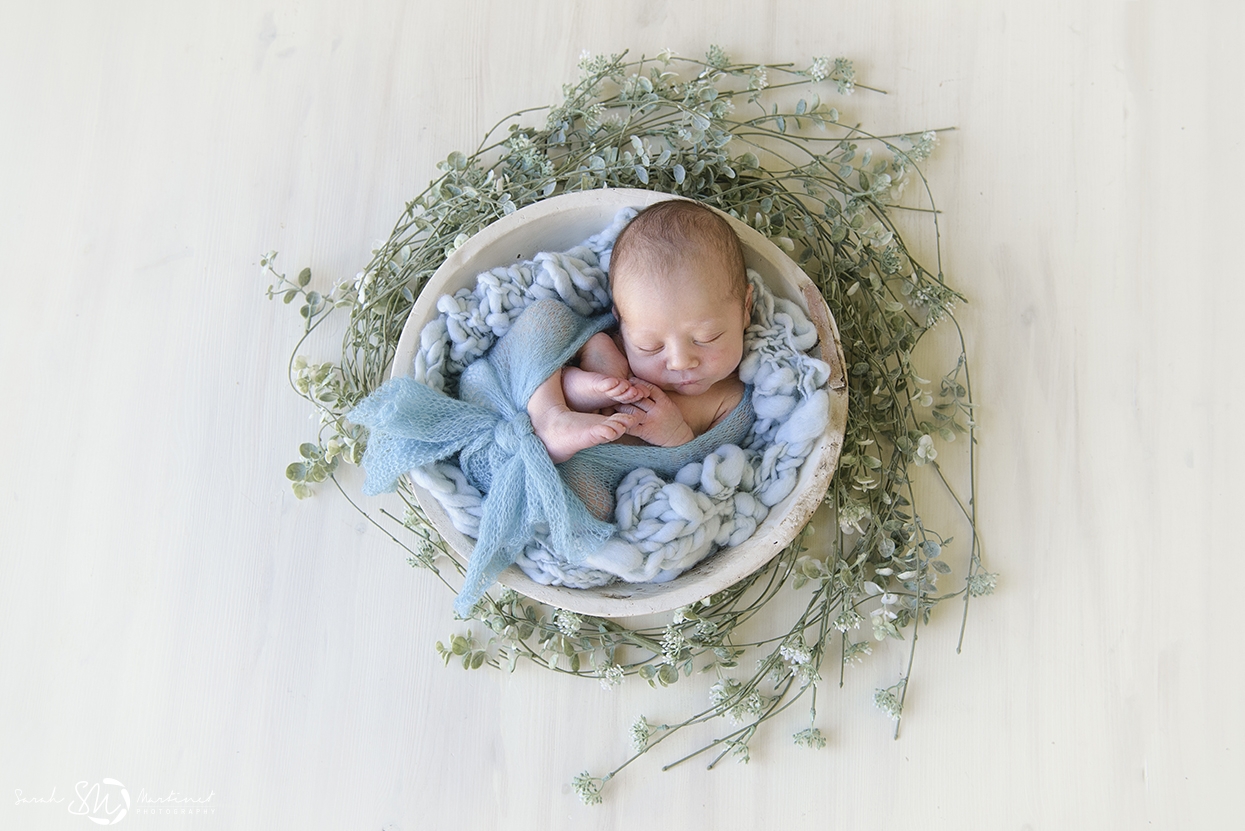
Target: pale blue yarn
{"type": "Point", "coordinates": [664, 523]}
{"type": "Point", "coordinates": [411, 425]}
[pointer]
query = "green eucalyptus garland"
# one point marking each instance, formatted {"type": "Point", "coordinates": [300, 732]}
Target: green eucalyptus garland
{"type": "Point", "coordinates": [738, 137]}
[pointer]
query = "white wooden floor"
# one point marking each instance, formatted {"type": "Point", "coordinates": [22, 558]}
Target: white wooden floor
{"type": "Point", "coordinates": [173, 619]}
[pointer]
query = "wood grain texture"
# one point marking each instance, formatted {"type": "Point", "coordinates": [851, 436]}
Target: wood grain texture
{"type": "Point", "coordinates": [171, 617]}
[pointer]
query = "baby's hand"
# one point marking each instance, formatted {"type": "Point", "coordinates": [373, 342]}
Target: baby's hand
{"type": "Point", "coordinates": [660, 421]}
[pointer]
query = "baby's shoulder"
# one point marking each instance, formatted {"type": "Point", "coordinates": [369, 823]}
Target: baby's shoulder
{"type": "Point", "coordinates": [731, 393]}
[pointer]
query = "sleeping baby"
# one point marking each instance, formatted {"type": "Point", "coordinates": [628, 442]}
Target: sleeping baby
{"type": "Point", "coordinates": [556, 389]}
{"type": "Point", "coordinates": [670, 372]}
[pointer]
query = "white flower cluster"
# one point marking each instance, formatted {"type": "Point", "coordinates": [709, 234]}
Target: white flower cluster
{"type": "Point", "coordinates": [811, 737]}
{"type": "Point", "coordinates": [641, 731]}
{"type": "Point", "coordinates": [922, 145]}
{"type": "Point", "coordinates": [982, 583]}
{"type": "Point", "coordinates": [799, 659]}
{"type": "Point", "coordinates": [751, 705]}
{"type": "Point", "coordinates": [568, 623]}
{"type": "Point", "coordinates": [848, 619]}
{"type": "Point", "coordinates": [844, 74]}
{"type": "Point", "coordinates": [611, 676]}
{"type": "Point", "coordinates": [672, 643]}
{"type": "Point", "coordinates": [795, 653]}
{"type": "Point", "coordinates": [588, 788]}
{"type": "Point", "coordinates": [886, 701]}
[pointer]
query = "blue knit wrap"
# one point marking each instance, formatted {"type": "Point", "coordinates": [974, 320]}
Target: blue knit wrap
{"type": "Point", "coordinates": [411, 424]}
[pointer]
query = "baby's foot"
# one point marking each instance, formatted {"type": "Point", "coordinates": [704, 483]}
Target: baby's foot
{"type": "Point", "coordinates": [586, 391]}
{"type": "Point", "coordinates": [567, 432]}
{"type": "Point", "coordinates": [601, 354]}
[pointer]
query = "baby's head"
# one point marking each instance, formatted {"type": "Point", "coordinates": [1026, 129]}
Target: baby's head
{"type": "Point", "coordinates": [681, 296]}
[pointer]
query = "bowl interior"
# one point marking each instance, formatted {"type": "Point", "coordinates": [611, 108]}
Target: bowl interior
{"type": "Point", "coordinates": [557, 224]}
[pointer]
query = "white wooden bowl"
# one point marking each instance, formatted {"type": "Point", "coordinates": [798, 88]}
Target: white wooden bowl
{"type": "Point", "coordinates": [557, 224]}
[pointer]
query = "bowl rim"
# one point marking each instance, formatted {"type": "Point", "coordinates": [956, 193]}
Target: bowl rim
{"type": "Point", "coordinates": [488, 249]}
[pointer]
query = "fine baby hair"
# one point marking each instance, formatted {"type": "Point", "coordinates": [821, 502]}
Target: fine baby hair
{"type": "Point", "coordinates": [673, 231]}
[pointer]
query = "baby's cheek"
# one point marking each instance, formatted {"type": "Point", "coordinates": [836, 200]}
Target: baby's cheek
{"type": "Point", "coordinates": [642, 367]}
{"type": "Point", "coordinates": [652, 377]}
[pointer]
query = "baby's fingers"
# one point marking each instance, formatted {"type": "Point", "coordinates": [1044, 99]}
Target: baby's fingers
{"type": "Point", "coordinates": [653, 391]}
{"type": "Point", "coordinates": [642, 384]}
{"type": "Point", "coordinates": [639, 408]}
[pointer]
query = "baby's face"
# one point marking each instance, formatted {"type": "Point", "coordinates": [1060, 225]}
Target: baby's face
{"type": "Point", "coordinates": [683, 332]}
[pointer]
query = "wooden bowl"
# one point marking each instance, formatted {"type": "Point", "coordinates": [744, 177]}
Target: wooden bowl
{"type": "Point", "coordinates": [556, 224]}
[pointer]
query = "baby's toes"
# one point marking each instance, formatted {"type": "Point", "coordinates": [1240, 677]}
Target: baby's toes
{"type": "Point", "coordinates": [631, 395]}
{"type": "Point", "coordinates": [614, 426]}
{"type": "Point", "coordinates": [624, 392]}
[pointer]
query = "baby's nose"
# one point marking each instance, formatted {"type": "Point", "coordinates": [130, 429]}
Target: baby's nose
{"type": "Point", "coordinates": [680, 358]}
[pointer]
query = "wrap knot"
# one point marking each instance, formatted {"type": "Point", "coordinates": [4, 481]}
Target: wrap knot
{"type": "Point", "coordinates": [510, 434]}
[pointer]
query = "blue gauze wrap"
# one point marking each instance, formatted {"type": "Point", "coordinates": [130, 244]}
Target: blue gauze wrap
{"type": "Point", "coordinates": [410, 425]}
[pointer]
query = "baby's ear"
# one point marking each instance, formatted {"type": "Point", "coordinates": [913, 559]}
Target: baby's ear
{"type": "Point", "coordinates": [748, 304]}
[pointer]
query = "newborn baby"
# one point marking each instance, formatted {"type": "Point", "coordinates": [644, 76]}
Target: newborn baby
{"type": "Point", "coordinates": [670, 372]}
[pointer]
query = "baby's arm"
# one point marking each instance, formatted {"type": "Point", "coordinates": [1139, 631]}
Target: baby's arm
{"type": "Point", "coordinates": [660, 421]}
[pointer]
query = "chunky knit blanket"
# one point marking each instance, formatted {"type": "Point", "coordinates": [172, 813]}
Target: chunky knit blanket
{"type": "Point", "coordinates": [466, 403]}
{"type": "Point", "coordinates": [487, 426]}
